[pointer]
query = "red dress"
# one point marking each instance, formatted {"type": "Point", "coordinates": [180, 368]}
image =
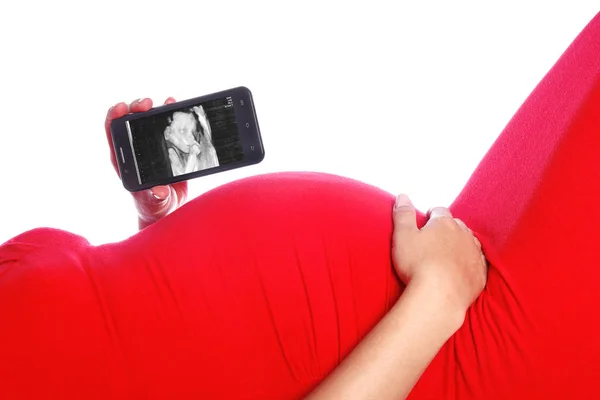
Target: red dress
{"type": "Point", "coordinates": [278, 277]}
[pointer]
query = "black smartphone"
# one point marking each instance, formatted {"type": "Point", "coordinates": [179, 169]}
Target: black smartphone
{"type": "Point", "coordinates": [187, 139]}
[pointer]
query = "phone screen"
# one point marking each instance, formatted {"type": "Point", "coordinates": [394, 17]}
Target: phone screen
{"type": "Point", "coordinates": [185, 140]}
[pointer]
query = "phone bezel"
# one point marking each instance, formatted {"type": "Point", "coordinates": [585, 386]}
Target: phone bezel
{"type": "Point", "coordinates": [248, 130]}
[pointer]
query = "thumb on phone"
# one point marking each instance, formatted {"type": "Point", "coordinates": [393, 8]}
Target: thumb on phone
{"type": "Point", "coordinates": [161, 193]}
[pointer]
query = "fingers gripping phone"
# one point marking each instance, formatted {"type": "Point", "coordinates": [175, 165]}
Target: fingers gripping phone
{"type": "Point", "coordinates": [188, 139]}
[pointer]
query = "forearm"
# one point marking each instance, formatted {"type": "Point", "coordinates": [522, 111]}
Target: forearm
{"type": "Point", "coordinates": [191, 163]}
{"type": "Point", "coordinates": [207, 131]}
{"type": "Point", "coordinates": [205, 125]}
{"type": "Point", "coordinates": [390, 360]}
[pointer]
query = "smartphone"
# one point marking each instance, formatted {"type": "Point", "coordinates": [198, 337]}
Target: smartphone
{"type": "Point", "coordinates": [187, 139]}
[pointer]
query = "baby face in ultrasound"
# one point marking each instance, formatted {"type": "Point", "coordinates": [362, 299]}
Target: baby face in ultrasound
{"type": "Point", "coordinates": [182, 131]}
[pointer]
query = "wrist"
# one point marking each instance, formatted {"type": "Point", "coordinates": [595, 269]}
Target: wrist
{"type": "Point", "coordinates": [143, 224]}
{"type": "Point", "coordinates": [435, 304]}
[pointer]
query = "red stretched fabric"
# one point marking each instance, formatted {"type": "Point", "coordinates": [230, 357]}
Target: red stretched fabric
{"type": "Point", "coordinates": [257, 289]}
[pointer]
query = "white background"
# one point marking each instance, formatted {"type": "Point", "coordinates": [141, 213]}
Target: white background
{"type": "Point", "coordinates": [406, 97]}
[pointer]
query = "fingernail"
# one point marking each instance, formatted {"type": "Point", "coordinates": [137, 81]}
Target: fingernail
{"type": "Point", "coordinates": [140, 100]}
{"type": "Point", "coordinates": [161, 193]}
{"type": "Point", "coordinates": [402, 200]}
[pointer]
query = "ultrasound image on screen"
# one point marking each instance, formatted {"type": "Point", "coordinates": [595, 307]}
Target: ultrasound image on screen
{"type": "Point", "coordinates": [186, 140]}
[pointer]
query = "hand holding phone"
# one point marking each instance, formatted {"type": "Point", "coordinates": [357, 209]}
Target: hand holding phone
{"type": "Point", "coordinates": [157, 202]}
{"type": "Point", "coordinates": [186, 140]}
